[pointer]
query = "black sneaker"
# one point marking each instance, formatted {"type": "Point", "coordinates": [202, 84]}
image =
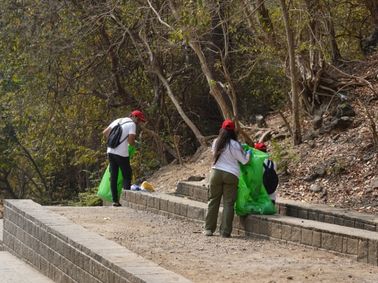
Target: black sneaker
{"type": "Point", "coordinates": [116, 204]}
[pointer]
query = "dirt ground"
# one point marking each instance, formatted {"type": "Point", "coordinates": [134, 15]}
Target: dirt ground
{"type": "Point", "coordinates": [179, 246]}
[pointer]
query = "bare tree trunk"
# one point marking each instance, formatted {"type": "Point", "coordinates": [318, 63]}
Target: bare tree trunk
{"type": "Point", "coordinates": [297, 136]}
{"type": "Point", "coordinates": [156, 69]}
{"type": "Point", "coordinates": [215, 90]}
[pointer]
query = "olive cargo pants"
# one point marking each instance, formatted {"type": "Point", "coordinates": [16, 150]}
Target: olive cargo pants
{"type": "Point", "coordinates": [221, 184]}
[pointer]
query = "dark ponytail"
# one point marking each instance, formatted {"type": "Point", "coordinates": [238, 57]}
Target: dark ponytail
{"type": "Point", "coordinates": [223, 140]}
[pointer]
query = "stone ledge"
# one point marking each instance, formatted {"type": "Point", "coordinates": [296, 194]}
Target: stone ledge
{"type": "Point", "coordinates": [361, 244]}
{"type": "Point", "coordinates": [317, 212]}
{"type": "Point", "coordinates": [66, 252]}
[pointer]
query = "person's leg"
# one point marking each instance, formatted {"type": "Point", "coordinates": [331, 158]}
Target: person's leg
{"type": "Point", "coordinates": [230, 184]}
{"type": "Point", "coordinates": [113, 169]}
{"type": "Point", "coordinates": [126, 170]}
{"type": "Point", "coordinates": [215, 195]}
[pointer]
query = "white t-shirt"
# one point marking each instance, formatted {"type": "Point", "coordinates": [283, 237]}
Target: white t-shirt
{"type": "Point", "coordinates": [229, 158]}
{"type": "Point", "coordinates": [128, 128]}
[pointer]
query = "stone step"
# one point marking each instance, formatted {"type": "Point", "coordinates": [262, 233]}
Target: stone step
{"type": "Point", "coordinates": [14, 270]}
{"type": "Point", "coordinates": [361, 244]}
{"type": "Point", "coordinates": [318, 212]}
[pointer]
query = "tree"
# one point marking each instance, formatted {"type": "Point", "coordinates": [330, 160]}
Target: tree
{"type": "Point", "coordinates": [297, 136]}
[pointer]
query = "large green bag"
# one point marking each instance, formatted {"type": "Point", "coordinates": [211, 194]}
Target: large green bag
{"type": "Point", "coordinates": [104, 190]}
{"type": "Point", "coordinates": [252, 197]}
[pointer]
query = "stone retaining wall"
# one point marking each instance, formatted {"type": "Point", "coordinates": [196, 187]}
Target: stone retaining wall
{"type": "Point", "coordinates": [66, 252]}
{"type": "Point", "coordinates": [317, 212]}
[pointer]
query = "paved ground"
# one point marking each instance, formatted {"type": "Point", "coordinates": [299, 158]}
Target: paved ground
{"type": "Point", "coordinates": [14, 270]}
{"type": "Point", "coordinates": [179, 246]}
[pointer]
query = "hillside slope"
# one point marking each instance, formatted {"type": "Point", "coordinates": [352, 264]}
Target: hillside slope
{"type": "Point", "coordinates": [337, 166]}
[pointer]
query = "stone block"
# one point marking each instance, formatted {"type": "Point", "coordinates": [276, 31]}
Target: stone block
{"type": "Point", "coordinates": [303, 213]}
{"type": "Point", "coordinates": [182, 189]}
{"type": "Point", "coordinates": [286, 232]}
{"type": "Point", "coordinates": [143, 199]}
{"type": "Point", "coordinates": [295, 234]}
{"type": "Point", "coordinates": [327, 241]}
{"type": "Point", "coordinates": [171, 207]}
{"type": "Point", "coordinates": [196, 213]}
{"type": "Point", "coordinates": [373, 252]}
{"type": "Point", "coordinates": [339, 220]}
{"type": "Point", "coordinates": [362, 253]}
{"type": "Point", "coordinates": [183, 210]}
{"type": "Point", "coordinates": [321, 217]}
{"type": "Point", "coordinates": [329, 218]}
{"type": "Point", "coordinates": [177, 208]}
{"type": "Point", "coordinates": [276, 230]}
{"type": "Point", "coordinates": [250, 224]}
{"type": "Point", "coordinates": [352, 246]}
{"type": "Point", "coordinates": [338, 243]}
{"type": "Point", "coordinates": [306, 237]}
{"type": "Point", "coordinates": [163, 205]}
{"type": "Point", "coordinates": [263, 227]}
{"type": "Point", "coordinates": [130, 196]}
{"type": "Point", "coordinates": [150, 201]}
{"type": "Point", "coordinates": [348, 222]}
{"type": "Point", "coordinates": [316, 239]}
{"type": "Point", "coordinates": [156, 203]}
{"type": "Point", "coordinates": [291, 211]}
{"type": "Point", "coordinates": [313, 215]}
{"type": "Point", "coordinates": [359, 224]}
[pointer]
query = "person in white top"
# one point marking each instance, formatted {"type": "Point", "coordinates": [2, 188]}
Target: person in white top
{"type": "Point", "coordinates": [119, 156]}
{"type": "Point", "coordinates": [224, 178]}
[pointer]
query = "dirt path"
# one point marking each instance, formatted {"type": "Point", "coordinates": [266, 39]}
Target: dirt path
{"type": "Point", "coordinates": [179, 246]}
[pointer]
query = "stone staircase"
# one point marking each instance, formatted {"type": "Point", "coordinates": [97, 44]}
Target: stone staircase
{"type": "Point", "coordinates": [319, 226]}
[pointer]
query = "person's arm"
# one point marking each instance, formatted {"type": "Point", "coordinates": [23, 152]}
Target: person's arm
{"type": "Point", "coordinates": [131, 139]}
{"type": "Point", "coordinates": [106, 132]}
{"type": "Point", "coordinates": [132, 134]}
{"type": "Point", "coordinates": [241, 156]}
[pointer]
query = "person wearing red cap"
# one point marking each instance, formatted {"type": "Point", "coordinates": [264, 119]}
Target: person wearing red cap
{"type": "Point", "coordinates": [224, 178]}
{"type": "Point", "coordinates": [270, 178]}
{"type": "Point", "coordinates": [119, 155]}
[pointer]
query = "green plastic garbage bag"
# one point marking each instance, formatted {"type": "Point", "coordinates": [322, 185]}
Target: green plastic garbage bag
{"type": "Point", "coordinates": [252, 197]}
{"type": "Point", "coordinates": [104, 190]}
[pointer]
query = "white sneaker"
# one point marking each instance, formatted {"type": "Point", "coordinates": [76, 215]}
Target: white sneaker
{"type": "Point", "coordinates": [207, 233]}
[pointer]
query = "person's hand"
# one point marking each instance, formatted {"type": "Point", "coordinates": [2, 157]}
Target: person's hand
{"type": "Point", "coordinates": [249, 151]}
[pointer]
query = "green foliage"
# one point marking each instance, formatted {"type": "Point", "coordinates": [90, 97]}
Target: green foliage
{"type": "Point", "coordinates": [88, 198]}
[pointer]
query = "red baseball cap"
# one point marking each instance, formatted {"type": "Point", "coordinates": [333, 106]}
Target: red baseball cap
{"type": "Point", "coordinates": [260, 146]}
{"type": "Point", "coordinates": [139, 115]}
{"type": "Point", "coordinates": [228, 125]}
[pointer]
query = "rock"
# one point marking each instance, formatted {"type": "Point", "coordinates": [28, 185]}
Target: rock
{"type": "Point", "coordinates": [374, 183]}
{"type": "Point", "coordinates": [320, 170]}
{"type": "Point", "coordinates": [311, 135]}
{"type": "Point", "coordinates": [260, 120]}
{"type": "Point", "coordinates": [342, 123]}
{"type": "Point", "coordinates": [345, 110]}
{"type": "Point", "coordinates": [316, 188]}
{"type": "Point", "coordinates": [317, 122]}
{"type": "Point", "coordinates": [195, 178]}
{"type": "Point", "coordinates": [310, 178]}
